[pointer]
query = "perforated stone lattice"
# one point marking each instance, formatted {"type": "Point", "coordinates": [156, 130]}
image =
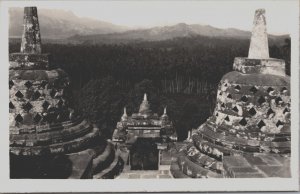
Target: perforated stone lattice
{"type": "Point", "coordinates": [242, 108]}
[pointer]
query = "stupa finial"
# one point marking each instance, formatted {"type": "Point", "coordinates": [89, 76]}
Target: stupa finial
{"type": "Point", "coordinates": [124, 116]}
{"type": "Point", "coordinates": [31, 38]}
{"type": "Point", "coordinates": [259, 48]}
{"type": "Point", "coordinates": [165, 110]}
{"type": "Point", "coordinates": [125, 112]}
{"type": "Point", "coordinates": [145, 97]}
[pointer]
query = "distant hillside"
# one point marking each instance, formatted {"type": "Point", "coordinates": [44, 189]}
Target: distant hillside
{"type": "Point", "coordinates": [60, 24]}
{"type": "Point", "coordinates": [167, 32]}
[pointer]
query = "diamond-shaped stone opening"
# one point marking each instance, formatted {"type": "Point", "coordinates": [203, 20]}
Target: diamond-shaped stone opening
{"type": "Point", "coordinates": [37, 118]}
{"type": "Point", "coordinates": [220, 93]}
{"type": "Point", "coordinates": [11, 105]}
{"type": "Point", "coordinates": [44, 83]}
{"type": "Point", "coordinates": [243, 122]}
{"type": "Point", "coordinates": [270, 89]}
{"type": "Point", "coordinates": [285, 110]}
{"type": "Point", "coordinates": [28, 84]}
{"type": "Point", "coordinates": [270, 111]}
{"type": "Point", "coordinates": [284, 90]}
{"type": "Point", "coordinates": [227, 118]}
{"type": "Point", "coordinates": [235, 109]}
{"type": "Point", "coordinates": [217, 114]}
{"type": "Point", "coordinates": [45, 105]}
{"type": "Point", "coordinates": [278, 100]}
{"type": "Point", "coordinates": [261, 124]}
{"type": "Point", "coordinates": [19, 118]}
{"type": "Point", "coordinates": [223, 105]}
{"type": "Point", "coordinates": [252, 111]}
{"type": "Point", "coordinates": [19, 94]}
{"type": "Point", "coordinates": [261, 100]}
{"type": "Point", "coordinates": [11, 84]}
{"type": "Point", "coordinates": [253, 89]}
{"type": "Point", "coordinates": [237, 87]}
{"type": "Point", "coordinates": [225, 84]}
{"type": "Point", "coordinates": [229, 96]}
{"type": "Point", "coordinates": [279, 124]}
{"type": "Point", "coordinates": [27, 106]}
{"type": "Point", "coordinates": [36, 95]}
{"type": "Point", "coordinates": [244, 99]}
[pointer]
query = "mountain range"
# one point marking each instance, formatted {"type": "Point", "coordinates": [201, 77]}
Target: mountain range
{"type": "Point", "coordinates": [60, 24]}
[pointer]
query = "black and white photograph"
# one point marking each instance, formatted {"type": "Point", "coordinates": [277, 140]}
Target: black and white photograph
{"type": "Point", "coordinates": [150, 95]}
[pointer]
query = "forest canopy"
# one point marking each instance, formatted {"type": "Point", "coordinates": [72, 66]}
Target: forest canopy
{"type": "Point", "coordinates": [180, 73]}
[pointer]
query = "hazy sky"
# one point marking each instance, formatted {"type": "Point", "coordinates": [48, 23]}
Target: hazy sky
{"type": "Point", "coordinates": [223, 14]}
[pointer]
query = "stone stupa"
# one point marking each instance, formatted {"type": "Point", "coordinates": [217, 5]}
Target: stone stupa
{"type": "Point", "coordinates": [48, 139]}
{"type": "Point", "coordinates": [248, 134]}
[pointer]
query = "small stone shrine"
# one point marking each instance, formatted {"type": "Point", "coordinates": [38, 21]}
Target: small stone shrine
{"type": "Point", "coordinates": [48, 139]}
{"type": "Point", "coordinates": [248, 134]}
{"type": "Point", "coordinates": [144, 135]}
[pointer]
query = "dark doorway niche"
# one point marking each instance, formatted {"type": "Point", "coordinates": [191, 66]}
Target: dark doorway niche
{"type": "Point", "coordinates": [144, 155]}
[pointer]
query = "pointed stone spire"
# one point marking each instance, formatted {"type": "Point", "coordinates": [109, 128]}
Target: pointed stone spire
{"type": "Point", "coordinates": [31, 38]}
{"type": "Point", "coordinates": [145, 97]}
{"type": "Point", "coordinates": [164, 116]}
{"type": "Point", "coordinates": [124, 116]}
{"type": "Point", "coordinates": [259, 48]}
{"type": "Point", "coordinates": [31, 56]}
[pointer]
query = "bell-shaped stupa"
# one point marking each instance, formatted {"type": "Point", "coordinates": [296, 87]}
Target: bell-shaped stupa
{"type": "Point", "coordinates": [145, 107]}
{"type": "Point", "coordinates": [46, 134]}
{"type": "Point", "coordinates": [248, 134]}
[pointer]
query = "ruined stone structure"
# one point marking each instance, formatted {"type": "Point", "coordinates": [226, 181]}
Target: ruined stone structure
{"type": "Point", "coordinates": [145, 131]}
{"type": "Point", "coordinates": [248, 134]}
{"type": "Point", "coordinates": [48, 139]}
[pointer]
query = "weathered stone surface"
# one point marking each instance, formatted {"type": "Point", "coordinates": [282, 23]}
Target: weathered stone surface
{"type": "Point", "coordinates": [30, 61]}
{"type": "Point", "coordinates": [81, 164]}
{"type": "Point", "coordinates": [42, 123]}
{"type": "Point", "coordinates": [263, 66]}
{"type": "Point", "coordinates": [251, 124]}
{"type": "Point", "coordinates": [259, 48]}
{"type": "Point", "coordinates": [31, 38]}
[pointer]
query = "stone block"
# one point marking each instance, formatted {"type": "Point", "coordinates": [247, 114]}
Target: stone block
{"type": "Point", "coordinates": [81, 164]}
{"type": "Point", "coordinates": [29, 61]}
{"type": "Point", "coordinates": [149, 176]}
{"type": "Point", "coordinates": [254, 160]}
{"type": "Point", "coordinates": [235, 161]}
{"type": "Point", "coordinates": [164, 176]}
{"type": "Point", "coordinates": [276, 171]}
{"type": "Point", "coordinates": [134, 176]}
{"type": "Point", "coordinates": [270, 160]}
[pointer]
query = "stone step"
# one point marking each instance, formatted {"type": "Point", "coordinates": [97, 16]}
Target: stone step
{"type": "Point", "coordinates": [203, 160]}
{"type": "Point", "coordinates": [145, 174]}
{"type": "Point", "coordinates": [176, 171]}
{"type": "Point", "coordinates": [211, 149]}
{"type": "Point", "coordinates": [112, 170]}
{"type": "Point", "coordinates": [63, 147]}
{"type": "Point", "coordinates": [195, 171]}
{"type": "Point", "coordinates": [245, 145]}
{"type": "Point", "coordinates": [81, 164]}
{"type": "Point", "coordinates": [65, 134]}
{"type": "Point", "coordinates": [104, 159]}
